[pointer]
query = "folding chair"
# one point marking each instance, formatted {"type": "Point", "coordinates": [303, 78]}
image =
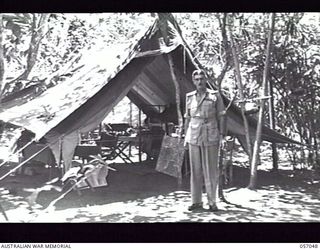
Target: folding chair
{"type": "Point", "coordinates": [108, 144]}
{"type": "Point", "coordinates": [85, 151]}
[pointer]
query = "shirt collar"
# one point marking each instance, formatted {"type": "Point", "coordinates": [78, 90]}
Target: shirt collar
{"type": "Point", "coordinates": [206, 92]}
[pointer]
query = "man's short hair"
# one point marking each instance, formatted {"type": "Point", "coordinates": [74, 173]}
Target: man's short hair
{"type": "Point", "coordinates": [198, 72]}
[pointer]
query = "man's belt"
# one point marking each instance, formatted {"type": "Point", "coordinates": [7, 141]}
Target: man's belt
{"type": "Point", "coordinates": [205, 119]}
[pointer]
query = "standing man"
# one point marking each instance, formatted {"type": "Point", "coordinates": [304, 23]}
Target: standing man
{"type": "Point", "coordinates": [204, 123]}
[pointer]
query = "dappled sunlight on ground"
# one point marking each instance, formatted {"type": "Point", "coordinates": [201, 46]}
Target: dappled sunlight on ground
{"type": "Point", "coordinates": [142, 195]}
{"type": "Point", "coordinates": [262, 205]}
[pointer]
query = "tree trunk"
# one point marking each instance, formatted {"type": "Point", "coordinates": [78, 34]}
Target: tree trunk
{"type": "Point", "coordinates": [313, 133]}
{"type": "Point", "coordinates": [272, 126]}
{"type": "Point", "coordinates": [219, 83]}
{"type": "Point", "coordinates": [2, 70]}
{"type": "Point", "coordinates": [38, 31]}
{"type": "Point", "coordinates": [240, 86]}
{"type": "Point", "coordinates": [254, 163]}
{"type": "Point", "coordinates": [163, 25]}
{"type": "Point", "coordinates": [177, 90]}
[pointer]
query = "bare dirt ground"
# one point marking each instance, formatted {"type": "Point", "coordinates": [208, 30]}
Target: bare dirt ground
{"type": "Point", "coordinates": [137, 193]}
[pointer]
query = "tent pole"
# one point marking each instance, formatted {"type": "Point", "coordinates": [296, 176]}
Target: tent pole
{"type": "Point", "coordinates": [130, 117]}
{"type": "Point", "coordinates": [60, 157]}
{"type": "Point", "coordinates": [100, 129]}
{"type": "Point", "coordinates": [184, 60]}
{"type": "Point", "coordinates": [130, 123]}
{"type": "Point", "coordinates": [139, 135]}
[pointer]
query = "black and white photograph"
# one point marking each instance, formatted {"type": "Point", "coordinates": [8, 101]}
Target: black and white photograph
{"type": "Point", "coordinates": [131, 117]}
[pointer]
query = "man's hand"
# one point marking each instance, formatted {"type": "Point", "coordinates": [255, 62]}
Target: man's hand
{"type": "Point", "coordinates": [222, 113]}
{"type": "Point", "coordinates": [223, 142]}
{"type": "Point", "coordinates": [227, 143]}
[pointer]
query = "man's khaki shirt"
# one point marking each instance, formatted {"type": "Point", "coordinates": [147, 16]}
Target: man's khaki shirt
{"type": "Point", "coordinates": [203, 128]}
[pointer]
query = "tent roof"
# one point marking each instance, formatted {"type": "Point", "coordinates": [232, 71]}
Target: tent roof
{"type": "Point", "coordinates": [95, 69]}
{"type": "Point", "coordinates": [102, 77]}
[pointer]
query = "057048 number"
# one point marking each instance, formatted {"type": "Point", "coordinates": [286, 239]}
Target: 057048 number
{"type": "Point", "coordinates": [308, 245]}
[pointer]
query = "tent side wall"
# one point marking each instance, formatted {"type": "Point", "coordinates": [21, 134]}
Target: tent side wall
{"type": "Point", "coordinates": [157, 82]}
{"type": "Point", "coordinates": [87, 115]}
{"type": "Point", "coordinates": [97, 107]}
{"type": "Point", "coordinates": [65, 136]}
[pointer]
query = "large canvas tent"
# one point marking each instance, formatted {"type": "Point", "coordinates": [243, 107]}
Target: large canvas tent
{"type": "Point", "coordinates": [102, 77]}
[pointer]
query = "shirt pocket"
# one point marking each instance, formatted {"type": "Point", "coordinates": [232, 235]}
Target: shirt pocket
{"type": "Point", "coordinates": [195, 128]}
{"type": "Point", "coordinates": [194, 108]}
{"type": "Point", "coordinates": [212, 132]}
{"type": "Point", "coordinates": [209, 108]}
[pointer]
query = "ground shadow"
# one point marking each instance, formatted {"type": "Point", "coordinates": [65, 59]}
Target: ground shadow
{"type": "Point", "coordinates": [140, 194]}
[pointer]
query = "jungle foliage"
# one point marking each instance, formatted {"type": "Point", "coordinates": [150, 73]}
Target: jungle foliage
{"type": "Point", "coordinates": [36, 47]}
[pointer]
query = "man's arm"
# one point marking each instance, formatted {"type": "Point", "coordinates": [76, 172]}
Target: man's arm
{"type": "Point", "coordinates": [186, 124]}
{"type": "Point", "coordinates": [221, 115]}
{"type": "Point", "coordinates": [186, 117]}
